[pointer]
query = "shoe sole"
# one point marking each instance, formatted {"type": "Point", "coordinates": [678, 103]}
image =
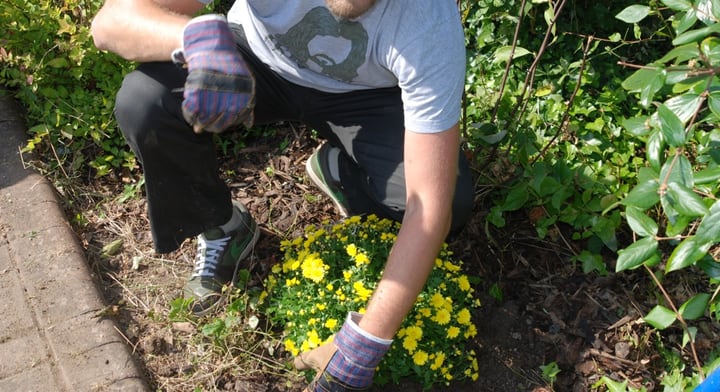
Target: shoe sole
{"type": "Point", "coordinates": [322, 186]}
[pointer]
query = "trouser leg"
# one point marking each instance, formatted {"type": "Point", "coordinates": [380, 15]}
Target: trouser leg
{"type": "Point", "coordinates": [185, 195]}
{"type": "Point", "coordinates": [369, 128]}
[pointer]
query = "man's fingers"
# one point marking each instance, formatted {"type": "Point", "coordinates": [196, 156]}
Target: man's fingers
{"type": "Point", "coordinates": [316, 359]}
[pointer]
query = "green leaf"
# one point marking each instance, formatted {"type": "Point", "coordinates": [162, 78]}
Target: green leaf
{"type": "Point", "coordinates": [672, 128]}
{"type": "Point", "coordinates": [614, 386]}
{"type": "Point", "coordinates": [58, 62]}
{"type": "Point", "coordinates": [689, 335]}
{"type": "Point", "coordinates": [694, 308]}
{"type": "Point", "coordinates": [714, 103]}
{"type": "Point", "coordinates": [637, 126]}
{"type": "Point", "coordinates": [687, 202]}
{"type": "Point", "coordinates": [655, 150]}
{"type": "Point", "coordinates": [635, 254]}
{"type": "Point", "coordinates": [710, 266]}
{"type": "Point", "coordinates": [516, 198]}
{"type": "Point", "coordinates": [660, 317]}
{"type": "Point", "coordinates": [502, 54]}
{"type": "Point", "coordinates": [633, 13]}
{"type": "Point", "coordinates": [684, 106]}
{"type": "Point", "coordinates": [681, 54]}
{"type": "Point", "coordinates": [678, 170]}
{"type": "Point", "coordinates": [695, 35]}
{"type": "Point", "coordinates": [641, 78]}
{"type": "Point", "coordinates": [707, 176]}
{"type": "Point", "coordinates": [687, 253]}
{"type": "Point", "coordinates": [640, 223]}
{"type": "Point", "coordinates": [709, 229]}
{"type": "Point", "coordinates": [643, 195]}
{"type": "Point", "coordinates": [678, 5]}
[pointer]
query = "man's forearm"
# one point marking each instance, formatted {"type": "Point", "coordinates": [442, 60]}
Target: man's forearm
{"type": "Point", "coordinates": [141, 30]}
{"type": "Point", "coordinates": [408, 267]}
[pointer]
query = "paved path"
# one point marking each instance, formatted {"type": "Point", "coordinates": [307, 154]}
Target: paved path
{"type": "Point", "coordinates": [50, 339]}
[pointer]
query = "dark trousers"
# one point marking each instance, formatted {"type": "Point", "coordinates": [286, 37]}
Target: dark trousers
{"type": "Point", "coordinates": [185, 194]}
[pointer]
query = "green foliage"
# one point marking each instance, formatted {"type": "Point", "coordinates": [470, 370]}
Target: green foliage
{"type": "Point", "coordinates": [604, 122]}
{"type": "Point", "coordinates": [49, 62]}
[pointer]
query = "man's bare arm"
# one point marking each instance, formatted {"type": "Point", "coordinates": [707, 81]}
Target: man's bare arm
{"type": "Point", "coordinates": [142, 30]}
{"type": "Point", "coordinates": [430, 175]}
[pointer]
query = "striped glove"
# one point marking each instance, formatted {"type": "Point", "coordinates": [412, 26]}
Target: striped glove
{"type": "Point", "coordinates": [220, 90]}
{"type": "Point", "coordinates": [348, 362]}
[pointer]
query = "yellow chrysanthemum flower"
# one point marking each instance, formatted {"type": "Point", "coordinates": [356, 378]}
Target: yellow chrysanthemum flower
{"type": "Point", "coordinates": [351, 250]}
{"type": "Point", "coordinates": [463, 316]}
{"type": "Point", "coordinates": [313, 268]}
{"type": "Point", "coordinates": [414, 332]}
{"type": "Point", "coordinates": [453, 332]}
{"type": "Point", "coordinates": [362, 292]}
{"type": "Point", "coordinates": [438, 361]}
{"type": "Point", "coordinates": [409, 344]}
{"type": "Point", "coordinates": [313, 339]}
{"type": "Point", "coordinates": [361, 259]}
{"type": "Point", "coordinates": [442, 316]}
{"type": "Point", "coordinates": [420, 357]}
{"type": "Point", "coordinates": [463, 283]}
{"type": "Point", "coordinates": [437, 300]}
{"type": "Point", "coordinates": [290, 347]}
{"type": "Point", "coordinates": [331, 323]}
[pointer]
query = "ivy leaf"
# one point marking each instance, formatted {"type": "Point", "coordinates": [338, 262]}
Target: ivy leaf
{"type": "Point", "coordinates": [687, 202]}
{"type": "Point", "coordinates": [672, 128]}
{"type": "Point", "coordinates": [660, 317]}
{"type": "Point", "coordinates": [633, 13]}
{"type": "Point", "coordinates": [687, 253]}
{"type": "Point", "coordinates": [635, 254]}
{"type": "Point", "coordinates": [694, 308]}
{"type": "Point", "coordinates": [643, 195]}
{"type": "Point", "coordinates": [640, 223]}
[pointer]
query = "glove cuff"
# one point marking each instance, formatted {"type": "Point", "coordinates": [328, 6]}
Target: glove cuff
{"type": "Point", "coordinates": [359, 353]}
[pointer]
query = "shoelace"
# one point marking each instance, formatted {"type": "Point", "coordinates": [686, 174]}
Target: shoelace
{"type": "Point", "coordinates": [208, 255]}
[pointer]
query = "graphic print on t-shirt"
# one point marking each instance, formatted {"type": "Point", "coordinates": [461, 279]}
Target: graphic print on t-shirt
{"type": "Point", "coordinates": [326, 45]}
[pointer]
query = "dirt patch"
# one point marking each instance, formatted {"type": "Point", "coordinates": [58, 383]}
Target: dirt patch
{"type": "Point", "coordinates": [544, 309]}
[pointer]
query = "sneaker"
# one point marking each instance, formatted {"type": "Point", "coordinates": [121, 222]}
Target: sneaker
{"type": "Point", "coordinates": [217, 261]}
{"type": "Point", "coordinates": [319, 172]}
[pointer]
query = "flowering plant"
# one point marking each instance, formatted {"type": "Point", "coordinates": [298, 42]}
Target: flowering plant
{"type": "Point", "coordinates": [333, 270]}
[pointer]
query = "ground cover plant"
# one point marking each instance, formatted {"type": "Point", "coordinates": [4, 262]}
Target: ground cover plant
{"type": "Point", "coordinates": [592, 128]}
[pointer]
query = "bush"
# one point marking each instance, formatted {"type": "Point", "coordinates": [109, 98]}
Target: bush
{"type": "Point", "coordinates": [334, 270]}
{"type": "Point", "coordinates": [66, 85]}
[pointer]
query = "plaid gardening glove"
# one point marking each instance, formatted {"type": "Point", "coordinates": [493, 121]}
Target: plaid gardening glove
{"type": "Point", "coordinates": [219, 90]}
{"type": "Point", "coordinates": [348, 362]}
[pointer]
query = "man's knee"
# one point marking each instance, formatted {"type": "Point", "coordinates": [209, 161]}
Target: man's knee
{"type": "Point", "coordinates": [146, 100]}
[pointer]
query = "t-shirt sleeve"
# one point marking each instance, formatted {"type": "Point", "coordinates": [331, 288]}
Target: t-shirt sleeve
{"type": "Point", "coordinates": [431, 74]}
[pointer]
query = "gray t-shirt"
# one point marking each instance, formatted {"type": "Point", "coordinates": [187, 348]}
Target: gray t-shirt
{"type": "Point", "coordinates": [417, 45]}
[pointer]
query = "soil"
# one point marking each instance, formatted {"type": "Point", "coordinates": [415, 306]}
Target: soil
{"type": "Point", "coordinates": [544, 308]}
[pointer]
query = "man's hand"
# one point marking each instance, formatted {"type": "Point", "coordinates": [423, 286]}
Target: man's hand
{"type": "Point", "coordinates": [220, 90]}
{"type": "Point", "coordinates": [348, 362]}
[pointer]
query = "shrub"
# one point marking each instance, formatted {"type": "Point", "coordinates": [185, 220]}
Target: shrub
{"type": "Point", "coordinates": [333, 270]}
